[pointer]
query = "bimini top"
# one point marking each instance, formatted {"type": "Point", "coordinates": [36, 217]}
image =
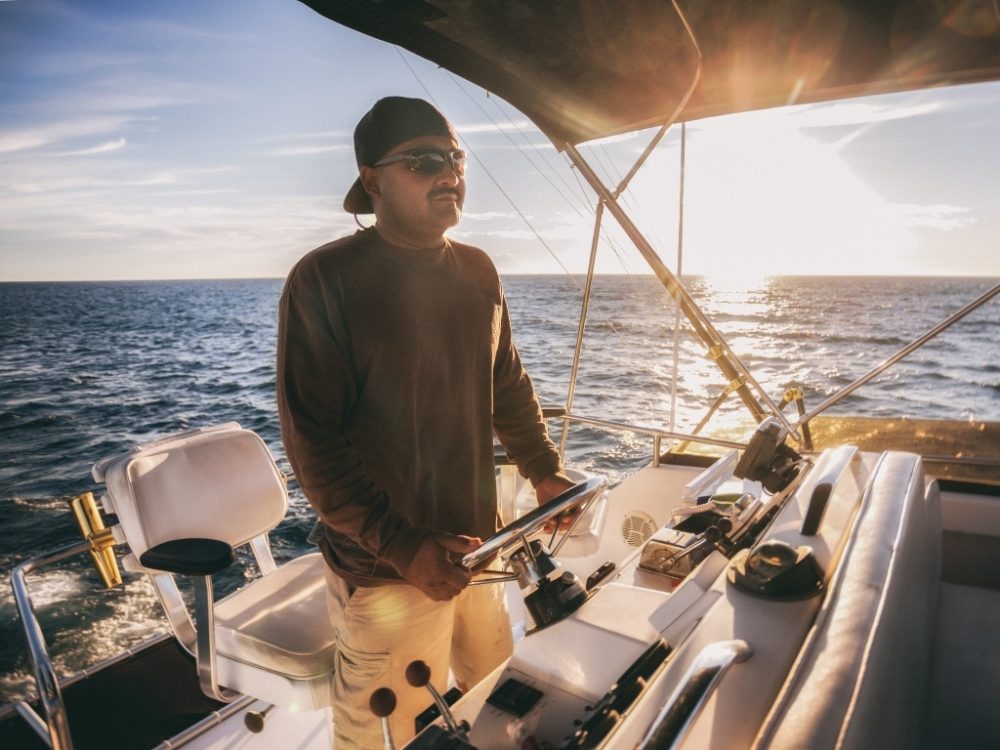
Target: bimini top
{"type": "Point", "coordinates": [583, 69]}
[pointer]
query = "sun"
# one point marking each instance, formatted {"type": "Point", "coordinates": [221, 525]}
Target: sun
{"type": "Point", "coordinates": [766, 197]}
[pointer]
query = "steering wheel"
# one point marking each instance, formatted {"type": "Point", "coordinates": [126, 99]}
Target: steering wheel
{"type": "Point", "coordinates": [514, 533]}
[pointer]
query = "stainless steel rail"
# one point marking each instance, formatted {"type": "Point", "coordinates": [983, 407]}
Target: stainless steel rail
{"type": "Point", "coordinates": [725, 358]}
{"type": "Point", "coordinates": [657, 434]}
{"type": "Point", "coordinates": [49, 692]}
{"type": "Point", "coordinates": [54, 728]}
{"type": "Point", "coordinates": [516, 531]}
{"type": "Point", "coordinates": [672, 724]}
{"type": "Point", "coordinates": [736, 373]}
{"type": "Point", "coordinates": [33, 720]}
{"type": "Point", "coordinates": [212, 720]}
{"type": "Point", "coordinates": [204, 604]}
{"type": "Point", "coordinates": [908, 349]}
{"type": "Point", "coordinates": [582, 325]}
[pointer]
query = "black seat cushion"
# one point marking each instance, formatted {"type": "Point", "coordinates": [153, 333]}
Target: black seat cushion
{"type": "Point", "coordinates": [189, 556]}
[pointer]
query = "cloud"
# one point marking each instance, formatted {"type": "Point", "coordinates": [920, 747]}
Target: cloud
{"type": "Point", "coordinates": [498, 127]}
{"type": "Point", "coordinates": [81, 61]}
{"type": "Point", "coordinates": [174, 32]}
{"type": "Point", "coordinates": [84, 184]}
{"type": "Point", "coordinates": [102, 148]}
{"type": "Point", "coordinates": [941, 216]}
{"type": "Point", "coordinates": [45, 134]}
{"type": "Point", "coordinates": [308, 150]}
{"type": "Point", "coordinates": [823, 115]}
{"type": "Point", "coordinates": [336, 134]}
{"type": "Point", "coordinates": [489, 216]}
{"type": "Point", "coordinates": [859, 113]}
{"type": "Point", "coordinates": [183, 238]}
{"type": "Point", "coordinates": [59, 181]}
{"type": "Point", "coordinates": [291, 144]}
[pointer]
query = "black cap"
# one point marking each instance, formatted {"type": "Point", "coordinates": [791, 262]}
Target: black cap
{"type": "Point", "coordinates": [393, 120]}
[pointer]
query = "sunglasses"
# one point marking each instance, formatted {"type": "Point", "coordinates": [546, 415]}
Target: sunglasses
{"type": "Point", "coordinates": [429, 162]}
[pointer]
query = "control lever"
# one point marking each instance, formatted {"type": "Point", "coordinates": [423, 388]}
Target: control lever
{"type": "Point", "coordinates": [717, 536]}
{"type": "Point", "coordinates": [418, 674]}
{"type": "Point", "coordinates": [254, 720]}
{"type": "Point", "coordinates": [382, 704]}
{"type": "Point", "coordinates": [713, 536]}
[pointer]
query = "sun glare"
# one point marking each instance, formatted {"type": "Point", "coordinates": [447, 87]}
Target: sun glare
{"type": "Point", "coordinates": [764, 198]}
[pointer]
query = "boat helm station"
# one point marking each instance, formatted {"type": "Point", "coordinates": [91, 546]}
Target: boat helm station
{"type": "Point", "coordinates": [650, 603]}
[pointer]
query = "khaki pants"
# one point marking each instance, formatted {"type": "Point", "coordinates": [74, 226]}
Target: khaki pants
{"type": "Point", "coordinates": [380, 630]}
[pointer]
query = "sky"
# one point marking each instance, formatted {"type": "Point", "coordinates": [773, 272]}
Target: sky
{"type": "Point", "coordinates": [212, 139]}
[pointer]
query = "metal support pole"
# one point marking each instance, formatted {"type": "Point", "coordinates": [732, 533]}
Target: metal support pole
{"type": "Point", "coordinates": [889, 362]}
{"type": "Point", "coordinates": [727, 361]}
{"type": "Point", "coordinates": [680, 264]}
{"type": "Point", "coordinates": [598, 219]}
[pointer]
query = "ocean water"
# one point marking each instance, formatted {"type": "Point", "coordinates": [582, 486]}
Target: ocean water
{"type": "Point", "coordinates": [89, 369]}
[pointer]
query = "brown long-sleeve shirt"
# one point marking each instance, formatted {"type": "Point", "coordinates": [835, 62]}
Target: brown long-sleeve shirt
{"type": "Point", "coordinates": [395, 367]}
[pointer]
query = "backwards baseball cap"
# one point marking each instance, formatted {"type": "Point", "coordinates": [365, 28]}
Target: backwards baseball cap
{"type": "Point", "coordinates": [393, 120]}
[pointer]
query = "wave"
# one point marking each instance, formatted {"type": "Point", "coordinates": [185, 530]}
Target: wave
{"type": "Point", "coordinates": [89, 374]}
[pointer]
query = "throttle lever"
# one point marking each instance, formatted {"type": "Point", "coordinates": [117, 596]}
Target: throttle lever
{"type": "Point", "coordinates": [382, 704]}
{"type": "Point", "coordinates": [716, 535]}
{"type": "Point", "coordinates": [418, 674]}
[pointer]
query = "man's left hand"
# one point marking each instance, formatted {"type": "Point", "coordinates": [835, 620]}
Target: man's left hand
{"type": "Point", "coordinates": [550, 488]}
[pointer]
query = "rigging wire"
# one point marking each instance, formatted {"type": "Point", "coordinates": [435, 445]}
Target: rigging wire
{"type": "Point", "coordinates": [580, 200]}
{"type": "Point", "coordinates": [608, 239]}
{"type": "Point", "coordinates": [611, 170]}
{"type": "Point", "coordinates": [489, 174]}
{"type": "Point", "coordinates": [602, 231]}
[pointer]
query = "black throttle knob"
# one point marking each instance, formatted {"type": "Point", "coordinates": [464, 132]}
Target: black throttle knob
{"type": "Point", "coordinates": [382, 703]}
{"type": "Point", "coordinates": [418, 674]}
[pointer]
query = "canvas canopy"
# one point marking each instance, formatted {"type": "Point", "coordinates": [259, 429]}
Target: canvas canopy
{"type": "Point", "coordinates": [583, 69]}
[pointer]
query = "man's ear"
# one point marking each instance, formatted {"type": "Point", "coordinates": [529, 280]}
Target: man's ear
{"type": "Point", "coordinates": [369, 179]}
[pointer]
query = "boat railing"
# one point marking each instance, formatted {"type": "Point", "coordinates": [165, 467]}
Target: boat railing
{"type": "Point", "coordinates": [957, 466]}
{"type": "Point", "coordinates": [54, 729]}
{"type": "Point", "coordinates": [657, 434]}
{"type": "Point", "coordinates": [888, 362]}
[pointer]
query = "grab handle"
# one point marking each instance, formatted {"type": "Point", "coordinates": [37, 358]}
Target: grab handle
{"type": "Point", "coordinates": [836, 467]}
{"type": "Point", "coordinates": [675, 719]}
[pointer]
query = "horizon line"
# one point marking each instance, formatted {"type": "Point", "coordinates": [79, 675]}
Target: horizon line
{"type": "Point", "coordinates": [509, 274]}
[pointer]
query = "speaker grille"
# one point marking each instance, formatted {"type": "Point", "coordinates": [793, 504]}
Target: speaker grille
{"type": "Point", "coordinates": [637, 528]}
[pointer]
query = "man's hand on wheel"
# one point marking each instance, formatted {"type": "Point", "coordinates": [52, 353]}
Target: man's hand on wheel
{"type": "Point", "coordinates": [550, 488]}
{"type": "Point", "coordinates": [433, 572]}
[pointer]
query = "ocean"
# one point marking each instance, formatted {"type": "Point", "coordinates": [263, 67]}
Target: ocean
{"type": "Point", "coordinates": [89, 369]}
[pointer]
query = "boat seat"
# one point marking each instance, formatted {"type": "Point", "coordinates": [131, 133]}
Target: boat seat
{"type": "Point", "coordinates": [864, 672]}
{"type": "Point", "coordinates": [271, 639]}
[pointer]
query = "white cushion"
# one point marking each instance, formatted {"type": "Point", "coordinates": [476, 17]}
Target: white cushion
{"type": "Point", "coordinates": [280, 622]}
{"type": "Point", "coordinates": [863, 674]}
{"type": "Point", "coordinates": [220, 483]}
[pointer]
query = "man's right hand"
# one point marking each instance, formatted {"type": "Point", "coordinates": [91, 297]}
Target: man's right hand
{"type": "Point", "coordinates": [433, 572]}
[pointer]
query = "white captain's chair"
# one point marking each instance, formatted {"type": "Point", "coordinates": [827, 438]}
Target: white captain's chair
{"type": "Point", "coordinates": [184, 503]}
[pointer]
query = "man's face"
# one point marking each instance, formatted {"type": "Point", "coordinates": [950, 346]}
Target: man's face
{"type": "Point", "coordinates": [412, 204]}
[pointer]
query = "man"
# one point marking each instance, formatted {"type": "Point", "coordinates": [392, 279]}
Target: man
{"type": "Point", "coordinates": [395, 369]}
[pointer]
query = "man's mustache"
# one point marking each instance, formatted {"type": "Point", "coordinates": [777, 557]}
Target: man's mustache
{"type": "Point", "coordinates": [444, 191]}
